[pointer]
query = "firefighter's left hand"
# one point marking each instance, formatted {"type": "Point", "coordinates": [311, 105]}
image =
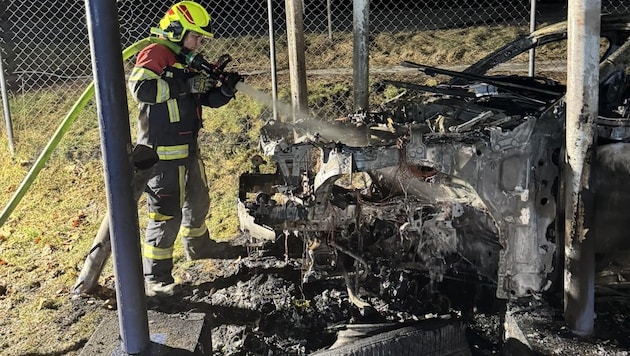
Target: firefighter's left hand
{"type": "Point", "coordinates": [200, 83]}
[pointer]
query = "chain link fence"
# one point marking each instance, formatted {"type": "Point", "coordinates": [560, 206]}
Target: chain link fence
{"type": "Point", "coordinates": [45, 46]}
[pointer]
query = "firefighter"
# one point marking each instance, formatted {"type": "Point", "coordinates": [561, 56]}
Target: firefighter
{"type": "Point", "coordinates": [170, 96]}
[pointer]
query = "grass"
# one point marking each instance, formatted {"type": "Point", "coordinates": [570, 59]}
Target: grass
{"type": "Point", "coordinates": [45, 241]}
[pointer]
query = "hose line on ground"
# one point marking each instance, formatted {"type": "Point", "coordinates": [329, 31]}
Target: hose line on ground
{"type": "Point", "coordinates": [192, 58]}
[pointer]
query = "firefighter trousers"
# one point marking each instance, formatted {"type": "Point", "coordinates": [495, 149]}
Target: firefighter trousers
{"type": "Point", "coordinates": [177, 204]}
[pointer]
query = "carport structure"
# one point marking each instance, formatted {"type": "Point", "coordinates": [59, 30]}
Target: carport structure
{"type": "Point", "coordinates": [582, 97]}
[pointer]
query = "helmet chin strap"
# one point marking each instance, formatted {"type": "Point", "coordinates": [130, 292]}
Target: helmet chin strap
{"type": "Point", "coordinates": [176, 32]}
{"type": "Point", "coordinates": [159, 32]}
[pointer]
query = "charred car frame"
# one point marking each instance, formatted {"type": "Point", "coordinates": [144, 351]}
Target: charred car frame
{"type": "Point", "coordinates": [458, 180]}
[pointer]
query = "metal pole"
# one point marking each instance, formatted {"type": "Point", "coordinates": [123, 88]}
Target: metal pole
{"type": "Point", "coordinates": [113, 115]}
{"type": "Point", "coordinates": [329, 17]}
{"type": "Point", "coordinates": [297, 61]}
{"type": "Point", "coordinates": [272, 59]}
{"type": "Point", "coordinates": [581, 103]}
{"type": "Point", "coordinates": [5, 106]}
{"type": "Point", "coordinates": [532, 28]}
{"type": "Point", "coordinates": [361, 70]}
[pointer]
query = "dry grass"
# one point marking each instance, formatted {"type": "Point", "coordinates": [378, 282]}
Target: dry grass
{"type": "Point", "coordinates": [45, 241]}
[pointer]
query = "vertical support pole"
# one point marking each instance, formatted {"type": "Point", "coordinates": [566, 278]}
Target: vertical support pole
{"type": "Point", "coordinates": [272, 59]}
{"type": "Point", "coordinates": [5, 106]}
{"type": "Point", "coordinates": [329, 18]}
{"type": "Point", "coordinates": [297, 62]}
{"type": "Point", "coordinates": [582, 100]}
{"type": "Point", "coordinates": [113, 115]}
{"type": "Point", "coordinates": [5, 30]}
{"type": "Point", "coordinates": [361, 70]}
{"type": "Point", "coordinates": [532, 28]}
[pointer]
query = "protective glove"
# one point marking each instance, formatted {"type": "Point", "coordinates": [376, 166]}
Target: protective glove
{"type": "Point", "coordinates": [228, 83]}
{"type": "Point", "coordinates": [200, 83]}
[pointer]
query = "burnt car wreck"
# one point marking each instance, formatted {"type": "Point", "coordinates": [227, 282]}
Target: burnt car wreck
{"type": "Point", "coordinates": [460, 181]}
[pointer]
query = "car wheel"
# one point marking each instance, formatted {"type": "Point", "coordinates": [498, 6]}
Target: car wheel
{"type": "Point", "coordinates": [429, 338]}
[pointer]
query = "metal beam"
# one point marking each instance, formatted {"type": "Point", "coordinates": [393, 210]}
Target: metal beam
{"type": "Point", "coordinates": [581, 102]}
{"type": "Point", "coordinates": [113, 116]}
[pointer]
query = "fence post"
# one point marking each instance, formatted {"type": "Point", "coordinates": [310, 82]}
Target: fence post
{"type": "Point", "coordinates": [361, 70]}
{"type": "Point", "coordinates": [272, 60]}
{"type": "Point", "coordinates": [297, 61]}
{"type": "Point", "coordinates": [329, 19]}
{"type": "Point", "coordinates": [5, 36]}
{"type": "Point", "coordinates": [5, 106]}
{"type": "Point", "coordinates": [532, 28]}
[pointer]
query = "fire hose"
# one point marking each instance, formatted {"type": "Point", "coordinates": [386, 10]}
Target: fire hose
{"type": "Point", "coordinates": [193, 59]}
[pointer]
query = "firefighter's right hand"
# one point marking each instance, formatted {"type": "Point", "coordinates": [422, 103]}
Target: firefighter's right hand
{"type": "Point", "coordinates": [200, 83]}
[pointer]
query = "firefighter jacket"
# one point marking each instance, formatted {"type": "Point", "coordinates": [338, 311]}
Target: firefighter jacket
{"type": "Point", "coordinates": [170, 116]}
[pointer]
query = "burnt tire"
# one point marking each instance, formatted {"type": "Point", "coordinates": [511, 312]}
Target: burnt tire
{"type": "Point", "coordinates": [431, 338]}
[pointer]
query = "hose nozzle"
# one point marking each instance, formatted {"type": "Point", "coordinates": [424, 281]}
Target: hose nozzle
{"type": "Point", "coordinates": [196, 60]}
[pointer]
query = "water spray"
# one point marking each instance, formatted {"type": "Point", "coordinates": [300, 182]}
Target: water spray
{"type": "Point", "coordinates": [353, 136]}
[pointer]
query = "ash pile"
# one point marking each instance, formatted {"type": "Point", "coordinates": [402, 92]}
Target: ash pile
{"type": "Point", "coordinates": [264, 303]}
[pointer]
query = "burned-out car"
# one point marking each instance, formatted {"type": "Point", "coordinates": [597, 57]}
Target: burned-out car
{"type": "Point", "coordinates": [460, 180]}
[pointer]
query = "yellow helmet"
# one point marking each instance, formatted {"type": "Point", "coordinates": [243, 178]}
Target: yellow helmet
{"type": "Point", "coordinates": [185, 16]}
